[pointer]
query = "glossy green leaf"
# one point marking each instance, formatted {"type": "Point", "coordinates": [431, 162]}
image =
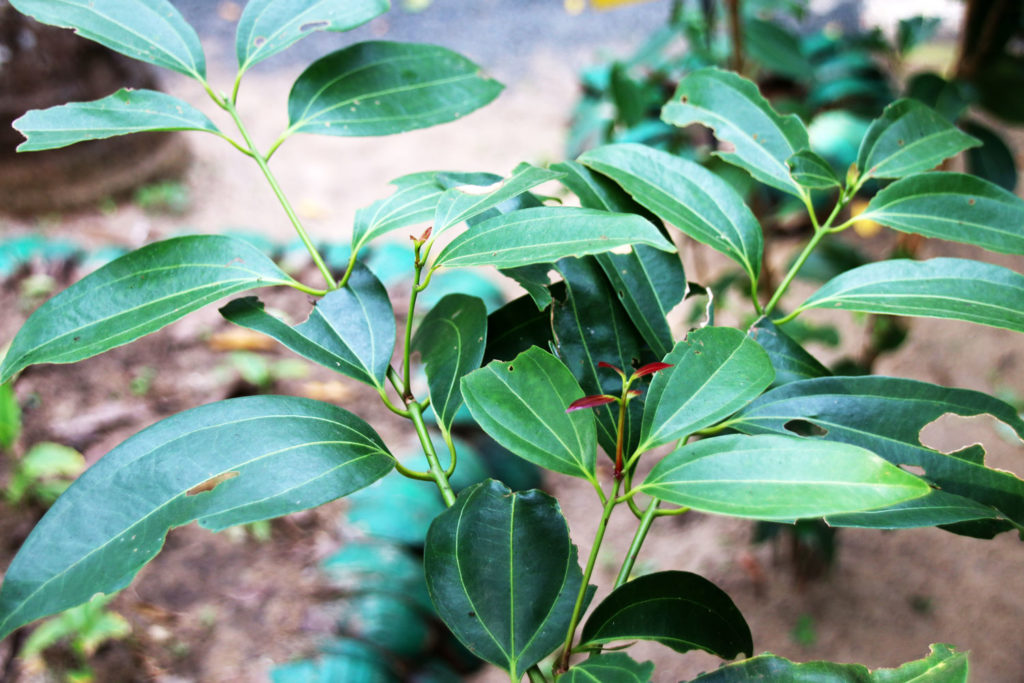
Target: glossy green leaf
{"type": "Point", "coordinates": [952, 206]}
{"type": "Point", "coordinates": [681, 610]}
{"type": "Point", "coordinates": [521, 404]}
{"type": "Point", "coordinates": [268, 26]}
{"type": "Point", "coordinates": [957, 289]}
{"type": "Point", "coordinates": [149, 30]}
{"type": "Point", "coordinates": [648, 282]}
{"type": "Point", "coordinates": [886, 416]}
{"type": "Point", "coordinates": [222, 464]}
{"type": "Point", "coordinates": [909, 137]}
{"type": "Point", "coordinates": [351, 330]}
{"type": "Point", "coordinates": [943, 665]}
{"type": "Point", "coordinates": [515, 327]}
{"type": "Point", "coordinates": [451, 341]}
{"type": "Point", "coordinates": [609, 667]}
{"type": "Point", "coordinates": [736, 111]}
{"type": "Point", "coordinates": [458, 205]}
{"type": "Point", "coordinates": [790, 360]}
{"type": "Point", "coordinates": [686, 195]}
{"type": "Point", "coordinates": [137, 294]}
{"type": "Point", "coordinates": [546, 234]}
{"type": "Point", "coordinates": [935, 509]}
{"type": "Point", "coordinates": [382, 88]}
{"type": "Point", "coordinates": [993, 160]}
{"type": "Point", "coordinates": [812, 172]}
{"type": "Point", "coordinates": [123, 113]}
{"type": "Point", "coordinates": [590, 326]}
{"type": "Point", "coordinates": [10, 416]}
{"type": "Point", "coordinates": [778, 478]}
{"type": "Point", "coordinates": [503, 574]}
{"type": "Point", "coordinates": [715, 372]}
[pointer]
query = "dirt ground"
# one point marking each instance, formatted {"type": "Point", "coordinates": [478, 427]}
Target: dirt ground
{"type": "Point", "coordinates": [226, 608]}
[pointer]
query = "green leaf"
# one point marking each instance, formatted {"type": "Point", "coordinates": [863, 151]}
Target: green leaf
{"type": "Point", "coordinates": [222, 464]}
{"type": "Point", "coordinates": [790, 360]}
{"type": "Point", "coordinates": [886, 416]}
{"type": "Point", "coordinates": [351, 330]}
{"type": "Point", "coordinates": [993, 160]}
{"type": "Point", "coordinates": [451, 342]}
{"type": "Point", "coordinates": [686, 195]}
{"type": "Point", "coordinates": [457, 205]}
{"type": "Point", "coordinates": [503, 574]}
{"type": "Point", "coordinates": [515, 327]}
{"type": "Point", "coordinates": [909, 137]}
{"type": "Point", "coordinates": [914, 31]}
{"type": "Point", "coordinates": [943, 665]}
{"type": "Point", "coordinates": [123, 113]}
{"type": "Point", "coordinates": [648, 282]}
{"type": "Point", "coordinates": [716, 371]}
{"type": "Point", "coordinates": [545, 234]}
{"type": "Point", "coordinates": [136, 294]}
{"type": "Point", "coordinates": [680, 610]}
{"type": "Point", "coordinates": [957, 289]}
{"type": "Point", "coordinates": [952, 206]}
{"type": "Point", "coordinates": [267, 27]}
{"type": "Point", "coordinates": [382, 88]}
{"type": "Point", "coordinates": [149, 30]}
{"type": "Point", "coordinates": [608, 667]}
{"type": "Point", "coordinates": [775, 48]}
{"type": "Point", "coordinates": [935, 509]}
{"type": "Point", "coordinates": [521, 404]}
{"type": "Point", "coordinates": [736, 111]}
{"type": "Point", "coordinates": [778, 478]}
{"type": "Point", "coordinates": [591, 326]}
{"type": "Point", "coordinates": [812, 172]}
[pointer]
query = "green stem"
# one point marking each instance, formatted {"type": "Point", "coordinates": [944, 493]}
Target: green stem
{"type": "Point", "coordinates": [261, 161]}
{"type": "Point", "coordinates": [295, 284]}
{"type": "Point", "coordinates": [436, 471]}
{"type": "Point", "coordinates": [416, 289]}
{"type": "Point", "coordinates": [577, 611]}
{"type": "Point", "coordinates": [784, 285]}
{"type": "Point", "coordinates": [638, 541]}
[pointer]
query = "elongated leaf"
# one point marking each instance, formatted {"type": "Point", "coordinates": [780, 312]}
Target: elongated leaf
{"type": "Point", "coordinates": [681, 610]}
{"type": "Point", "coordinates": [716, 371]}
{"type": "Point", "coordinates": [909, 137]}
{"type": "Point", "coordinates": [778, 478]}
{"type": "Point", "coordinates": [811, 171]}
{"type": "Point", "coordinates": [943, 665]}
{"type": "Point", "coordinates": [886, 415]}
{"type": "Point", "coordinates": [590, 326]}
{"type": "Point", "coordinates": [521, 405]}
{"type": "Point", "coordinates": [223, 464]}
{"type": "Point", "coordinates": [268, 26]}
{"type": "Point", "coordinates": [456, 205]}
{"type": "Point", "coordinates": [648, 282]}
{"type": "Point", "coordinates": [545, 234]}
{"type": "Point", "coordinates": [957, 289]}
{"type": "Point", "coordinates": [790, 360]}
{"type": "Point", "coordinates": [137, 294]}
{"type": "Point", "coordinates": [736, 111]}
{"type": "Point", "coordinates": [935, 509]}
{"type": "Point", "coordinates": [952, 206]}
{"type": "Point", "coordinates": [382, 88]}
{"type": "Point", "coordinates": [149, 30]}
{"type": "Point", "coordinates": [124, 112]}
{"type": "Point", "coordinates": [451, 342]}
{"type": "Point", "coordinates": [686, 195]}
{"type": "Point", "coordinates": [351, 330]}
{"type": "Point", "coordinates": [503, 574]}
{"type": "Point", "coordinates": [609, 667]}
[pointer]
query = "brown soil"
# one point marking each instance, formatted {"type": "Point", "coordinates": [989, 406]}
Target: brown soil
{"type": "Point", "coordinates": [226, 608]}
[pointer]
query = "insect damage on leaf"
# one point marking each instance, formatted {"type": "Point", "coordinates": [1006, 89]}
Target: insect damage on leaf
{"type": "Point", "coordinates": [211, 483]}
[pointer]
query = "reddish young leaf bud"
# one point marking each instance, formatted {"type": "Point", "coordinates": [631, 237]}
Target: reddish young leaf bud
{"type": "Point", "coordinates": [590, 402]}
{"type": "Point", "coordinates": [651, 368]}
{"type": "Point", "coordinates": [602, 364]}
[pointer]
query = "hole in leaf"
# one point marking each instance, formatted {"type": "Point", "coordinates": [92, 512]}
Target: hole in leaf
{"type": "Point", "coordinates": [510, 368]}
{"type": "Point", "coordinates": [805, 428]}
{"type": "Point", "coordinates": [258, 41]}
{"type": "Point", "coordinates": [314, 26]}
{"type": "Point", "coordinates": [950, 433]}
{"type": "Point", "coordinates": [211, 483]}
{"type": "Point", "coordinates": [913, 469]}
